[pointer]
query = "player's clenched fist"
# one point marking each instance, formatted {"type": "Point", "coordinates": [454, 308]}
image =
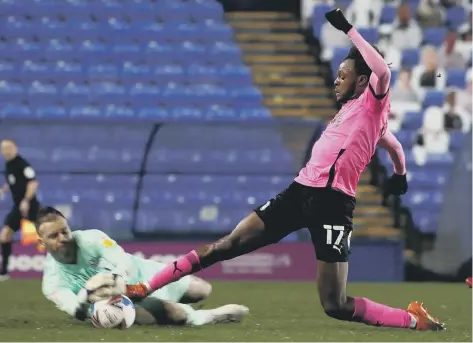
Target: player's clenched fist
{"type": "Point", "coordinates": [397, 184]}
{"type": "Point", "coordinates": [338, 20]}
{"type": "Point", "coordinates": [104, 285]}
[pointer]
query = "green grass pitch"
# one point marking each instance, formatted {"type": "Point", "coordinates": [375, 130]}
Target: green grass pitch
{"type": "Point", "coordinates": [278, 312]}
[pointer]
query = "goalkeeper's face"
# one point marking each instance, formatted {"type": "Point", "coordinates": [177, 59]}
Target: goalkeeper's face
{"type": "Point", "coordinates": [56, 237]}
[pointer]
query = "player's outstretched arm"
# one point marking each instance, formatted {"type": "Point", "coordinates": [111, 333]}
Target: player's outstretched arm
{"type": "Point", "coordinates": [65, 299]}
{"type": "Point", "coordinates": [381, 76]}
{"type": "Point", "coordinates": [397, 184]}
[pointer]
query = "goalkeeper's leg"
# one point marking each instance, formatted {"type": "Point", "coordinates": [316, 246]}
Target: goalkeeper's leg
{"type": "Point", "coordinates": [197, 290]}
{"type": "Point", "coordinates": [154, 311]}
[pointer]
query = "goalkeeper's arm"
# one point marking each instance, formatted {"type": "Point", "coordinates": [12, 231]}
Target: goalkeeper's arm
{"type": "Point", "coordinates": [64, 298]}
{"type": "Point", "coordinates": [75, 305]}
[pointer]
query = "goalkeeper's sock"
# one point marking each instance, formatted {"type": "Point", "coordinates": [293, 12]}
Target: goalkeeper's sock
{"type": "Point", "coordinates": [222, 314]}
{"type": "Point", "coordinates": [196, 317]}
{"type": "Point", "coordinates": [183, 266]}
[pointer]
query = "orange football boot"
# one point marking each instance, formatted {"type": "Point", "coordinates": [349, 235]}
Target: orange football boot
{"type": "Point", "coordinates": [137, 291]}
{"type": "Point", "coordinates": [424, 320]}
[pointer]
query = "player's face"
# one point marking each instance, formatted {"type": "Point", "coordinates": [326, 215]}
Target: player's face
{"type": "Point", "coordinates": [345, 83]}
{"type": "Point", "coordinates": [9, 149]}
{"type": "Point", "coordinates": [56, 236]}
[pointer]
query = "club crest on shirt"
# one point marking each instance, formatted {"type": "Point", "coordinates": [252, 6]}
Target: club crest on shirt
{"type": "Point", "coordinates": [108, 243]}
{"type": "Point", "coordinates": [337, 120]}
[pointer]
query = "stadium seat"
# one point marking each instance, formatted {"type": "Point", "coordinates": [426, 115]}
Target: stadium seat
{"type": "Point", "coordinates": [412, 120]}
{"type": "Point", "coordinates": [388, 14]}
{"type": "Point", "coordinates": [434, 36]}
{"type": "Point", "coordinates": [410, 58]}
{"type": "Point", "coordinates": [433, 98]}
{"type": "Point", "coordinates": [456, 78]}
{"type": "Point", "coordinates": [456, 16]}
{"type": "Point", "coordinates": [427, 179]}
{"type": "Point", "coordinates": [369, 34]}
{"type": "Point", "coordinates": [318, 18]}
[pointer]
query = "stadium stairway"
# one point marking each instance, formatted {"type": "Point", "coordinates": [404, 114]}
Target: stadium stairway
{"type": "Point", "coordinates": [282, 66]}
{"type": "Point", "coordinates": [274, 47]}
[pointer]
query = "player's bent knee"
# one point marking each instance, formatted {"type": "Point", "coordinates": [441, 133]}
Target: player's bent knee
{"type": "Point", "coordinates": [336, 310]}
{"type": "Point", "coordinates": [202, 289]}
{"type": "Point", "coordinates": [6, 235]}
{"type": "Point", "coordinates": [198, 290]}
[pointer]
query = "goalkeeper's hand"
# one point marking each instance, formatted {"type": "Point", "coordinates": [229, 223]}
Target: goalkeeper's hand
{"type": "Point", "coordinates": [338, 20]}
{"type": "Point", "coordinates": [397, 184]}
{"type": "Point", "coordinates": [104, 285]}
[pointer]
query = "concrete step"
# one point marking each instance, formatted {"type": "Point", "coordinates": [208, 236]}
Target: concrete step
{"type": "Point", "coordinates": [242, 26]}
{"type": "Point", "coordinates": [294, 91]}
{"type": "Point", "coordinates": [372, 221]}
{"type": "Point", "coordinates": [275, 48]}
{"type": "Point", "coordinates": [377, 232]}
{"type": "Point", "coordinates": [250, 16]}
{"type": "Point", "coordinates": [268, 37]}
{"type": "Point", "coordinates": [303, 112]}
{"type": "Point", "coordinates": [302, 102]}
{"type": "Point", "coordinates": [285, 68]}
{"type": "Point", "coordinates": [372, 211]}
{"type": "Point", "coordinates": [275, 59]}
{"type": "Point", "coordinates": [294, 81]}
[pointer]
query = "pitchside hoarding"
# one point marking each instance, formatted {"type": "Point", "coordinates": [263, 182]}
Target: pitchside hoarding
{"type": "Point", "coordinates": [381, 261]}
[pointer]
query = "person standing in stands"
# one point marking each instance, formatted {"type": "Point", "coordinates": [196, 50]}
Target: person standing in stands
{"type": "Point", "coordinates": [21, 181]}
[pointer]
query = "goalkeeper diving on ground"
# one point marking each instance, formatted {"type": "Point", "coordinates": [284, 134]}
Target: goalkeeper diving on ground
{"type": "Point", "coordinates": [82, 267]}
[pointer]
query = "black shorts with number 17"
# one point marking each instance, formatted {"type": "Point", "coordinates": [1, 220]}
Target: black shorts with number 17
{"type": "Point", "coordinates": [327, 213]}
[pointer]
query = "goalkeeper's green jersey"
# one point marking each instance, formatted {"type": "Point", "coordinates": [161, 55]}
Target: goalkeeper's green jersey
{"type": "Point", "coordinates": [96, 253]}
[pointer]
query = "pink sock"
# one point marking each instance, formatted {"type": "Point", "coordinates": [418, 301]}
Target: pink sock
{"type": "Point", "coordinates": [372, 313]}
{"type": "Point", "coordinates": [178, 269]}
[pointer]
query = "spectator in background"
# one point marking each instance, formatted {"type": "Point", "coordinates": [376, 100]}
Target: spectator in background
{"type": "Point", "coordinates": [403, 99]}
{"type": "Point", "coordinates": [448, 56]}
{"type": "Point", "coordinates": [432, 138]}
{"type": "Point", "coordinates": [452, 120]}
{"type": "Point", "coordinates": [428, 74]}
{"type": "Point", "coordinates": [463, 98]}
{"type": "Point", "coordinates": [448, 3]}
{"type": "Point", "coordinates": [455, 118]}
{"type": "Point", "coordinates": [407, 33]}
{"type": "Point", "coordinates": [464, 43]}
{"type": "Point", "coordinates": [429, 14]}
{"type": "Point", "coordinates": [331, 38]}
{"type": "Point", "coordinates": [402, 90]}
{"type": "Point", "coordinates": [364, 13]}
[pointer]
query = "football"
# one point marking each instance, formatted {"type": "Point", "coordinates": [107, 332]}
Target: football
{"type": "Point", "coordinates": [117, 312]}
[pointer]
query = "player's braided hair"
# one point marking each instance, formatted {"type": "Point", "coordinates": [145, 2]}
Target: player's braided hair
{"type": "Point", "coordinates": [361, 68]}
{"type": "Point", "coordinates": [46, 214]}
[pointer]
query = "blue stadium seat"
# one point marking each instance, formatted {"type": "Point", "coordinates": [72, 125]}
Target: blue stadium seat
{"type": "Point", "coordinates": [456, 16]}
{"type": "Point", "coordinates": [388, 14]}
{"type": "Point", "coordinates": [456, 78]}
{"type": "Point", "coordinates": [410, 57]}
{"type": "Point", "coordinates": [434, 36]}
{"type": "Point", "coordinates": [318, 18]}
{"type": "Point", "coordinates": [423, 200]}
{"type": "Point", "coordinates": [456, 140]}
{"type": "Point", "coordinates": [369, 34]}
{"type": "Point", "coordinates": [406, 138]}
{"type": "Point", "coordinates": [412, 120]}
{"type": "Point", "coordinates": [427, 179]}
{"type": "Point", "coordinates": [426, 221]}
{"type": "Point", "coordinates": [433, 98]}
